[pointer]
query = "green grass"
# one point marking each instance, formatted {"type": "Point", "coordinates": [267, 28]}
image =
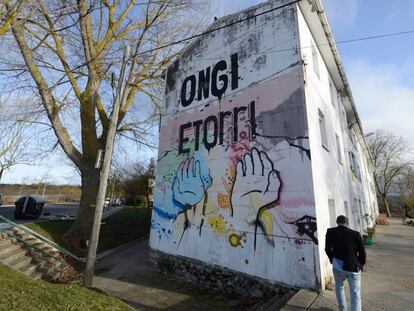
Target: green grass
{"type": "Point", "coordinates": [129, 224]}
{"type": "Point", "coordinates": [18, 292]}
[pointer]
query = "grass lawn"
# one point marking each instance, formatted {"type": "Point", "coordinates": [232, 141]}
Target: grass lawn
{"type": "Point", "coordinates": [129, 224]}
{"type": "Point", "coordinates": [18, 292]}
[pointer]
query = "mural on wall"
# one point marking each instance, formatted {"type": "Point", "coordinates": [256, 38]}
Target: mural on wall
{"type": "Point", "coordinates": [234, 182]}
{"type": "Point", "coordinates": [229, 172]}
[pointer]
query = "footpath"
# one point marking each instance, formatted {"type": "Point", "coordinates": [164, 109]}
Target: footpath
{"type": "Point", "coordinates": [387, 280]}
{"type": "Point", "coordinates": [128, 275]}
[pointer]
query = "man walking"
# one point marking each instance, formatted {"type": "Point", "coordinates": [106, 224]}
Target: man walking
{"type": "Point", "coordinates": [346, 252]}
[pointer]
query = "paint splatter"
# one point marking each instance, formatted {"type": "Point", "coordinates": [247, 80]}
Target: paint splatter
{"type": "Point", "coordinates": [161, 231]}
{"type": "Point", "coordinates": [235, 240]}
{"type": "Point", "coordinates": [218, 224]}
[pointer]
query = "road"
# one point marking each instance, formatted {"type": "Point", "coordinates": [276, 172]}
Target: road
{"type": "Point", "coordinates": [51, 209]}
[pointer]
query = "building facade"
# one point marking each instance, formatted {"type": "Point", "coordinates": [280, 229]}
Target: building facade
{"type": "Point", "coordinates": [260, 147]}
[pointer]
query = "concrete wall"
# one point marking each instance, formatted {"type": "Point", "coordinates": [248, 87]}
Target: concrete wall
{"type": "Point", "coordinates": [234, 184]}
{"type": "Point", "coordinates": [338, 189]}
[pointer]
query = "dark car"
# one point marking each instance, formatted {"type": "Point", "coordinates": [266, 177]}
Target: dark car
{"type": "Point", "coordinates": [1, 200]}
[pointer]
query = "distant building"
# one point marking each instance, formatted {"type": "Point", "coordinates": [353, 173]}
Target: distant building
{"type": "Point", "coordinates": [261, 148]}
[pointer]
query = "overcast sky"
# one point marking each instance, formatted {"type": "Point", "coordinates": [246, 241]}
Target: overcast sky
{"type": "Point", "coordinates": [380, 71]}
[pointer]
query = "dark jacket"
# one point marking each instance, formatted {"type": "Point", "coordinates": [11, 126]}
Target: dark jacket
{"type": "Point", "coordinates": [345, 244]}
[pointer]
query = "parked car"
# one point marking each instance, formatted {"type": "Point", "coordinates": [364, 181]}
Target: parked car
{"type": "Point", "coordinates": [1, 200]}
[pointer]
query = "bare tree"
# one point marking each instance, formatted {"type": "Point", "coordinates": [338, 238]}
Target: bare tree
{"type": "Point", "coordinates": [137, 182]}
{"type": "Point", "coordinates": [390, 156]}
{"type": "Point", "coordinates": [13, 149]}
{"type": "Point", "coordinates": [10, 147]}
{"type": "Point", "coordinates": [71, 52]}
{"type": "Point", "coordinates": [6, 16]}
{"type": "Point", "coordinates": [405, 187]}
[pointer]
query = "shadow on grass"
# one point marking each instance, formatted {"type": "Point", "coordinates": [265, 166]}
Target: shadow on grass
{"type": "Point", "coordinates": [128, 224]}
{"type": "Point", "coordinates": [54, 230]}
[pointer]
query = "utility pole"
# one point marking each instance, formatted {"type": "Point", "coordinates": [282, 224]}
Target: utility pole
{"type": "Point", "coordinates": [103, 181]}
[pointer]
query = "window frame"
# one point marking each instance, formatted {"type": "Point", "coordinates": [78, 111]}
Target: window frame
{"type": "Point", "coordinates": [315, 60]}
{"type": "Point", "coordinates": [322, 130]}
{"type": "Point", "coordinates": [338, 149]}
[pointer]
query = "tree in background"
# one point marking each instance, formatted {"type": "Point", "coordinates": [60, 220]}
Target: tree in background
{"type": "Point", "coordinates": [390, 155]}
{"type": "Point", "coordinates": [115, 180]}
{"type": "Point", "coordinates": [138, 182]}
{"type": "Point", "coordinates": [405, 187]}
{"type": "Point", "coordinates": [13, 147]}
{"type": "Point", "coordinates": [11, 142]}
{"type": "Point", "coordinates": [69, 54]}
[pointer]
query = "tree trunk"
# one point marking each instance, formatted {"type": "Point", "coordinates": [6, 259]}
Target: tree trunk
{"type": "Point", "coordinates": [387, 208]}
{"type": "Point", "coordinates": [80, 232]}
{"type": "Point", "coordinates": [147, 201]}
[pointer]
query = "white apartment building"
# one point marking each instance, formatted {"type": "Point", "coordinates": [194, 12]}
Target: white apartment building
{"type": "Point", "coordinates": [261, 147]}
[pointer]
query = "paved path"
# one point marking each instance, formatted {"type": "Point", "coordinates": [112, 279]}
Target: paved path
{"type": "Point", "coordinates": [388, 279]}
{"type": "Point", "coordinates": [130, 276]}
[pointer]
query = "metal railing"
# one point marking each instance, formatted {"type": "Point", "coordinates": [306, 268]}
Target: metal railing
{"type": "Point", "coordinates": [65, 253]}
{"type": "Point", "coordinates": [27, 244]}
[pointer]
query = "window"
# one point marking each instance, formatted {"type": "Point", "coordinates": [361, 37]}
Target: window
{"type": "Point", "coordinates": [355, 218]}
{"type": "Point", "coordinates": [346, 210]}
{"type": "Point", "coordinates": [315, 59]}
{"type": "Point", "coordinates": [332, 212]}
{"type": "Point", "coordinates": [322, 127]}
{"type": "Point", "coordinates": [354, 165]}
{"type": "Point", "coordinates": [343, 116]}
{"type": "Point", "coordinates": [351, 136]}
{"type": "Point", "coordinates": [338, 148]}
{"type": "Point", "coordinates": [355, 212]}
{"type": "Point", "coordinates": [334, 96]}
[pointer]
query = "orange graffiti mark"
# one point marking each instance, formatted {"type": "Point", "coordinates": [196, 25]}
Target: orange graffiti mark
{"type": "Point", "coordinates": [223, 200]}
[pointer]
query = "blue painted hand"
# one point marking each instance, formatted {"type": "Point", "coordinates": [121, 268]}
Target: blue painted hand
{"type": "Point", "coordinates": [189, 185]}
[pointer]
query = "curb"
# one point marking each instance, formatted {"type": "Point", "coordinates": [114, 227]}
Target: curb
{"type": "Point", "coordinates": [118, 248]}
{"type": "Point", "coordinates": [302, 300]}
{"type": "Point", "coordinates": [274, 303]}
{"type": "Point", "coordinates": [110, 212]}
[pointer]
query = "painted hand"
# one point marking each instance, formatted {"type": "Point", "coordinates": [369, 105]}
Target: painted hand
{"type": "Point", "coordinates": [255, 188]}
{"type": "Point", "coordinates": [256, 182]}
{"type": "Point", "coordinates": [189, 185]}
